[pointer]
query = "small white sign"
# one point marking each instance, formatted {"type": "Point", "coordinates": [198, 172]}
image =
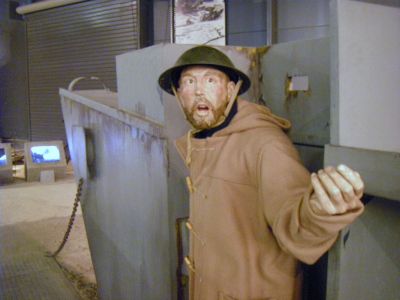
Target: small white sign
{"type": "Point", "coordinates": [299, 83]}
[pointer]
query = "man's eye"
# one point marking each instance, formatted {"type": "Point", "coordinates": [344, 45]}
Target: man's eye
{"type": "Point", "coordinates": [189, 81]}
{"type": "Point", "coordinates": [210, 80]}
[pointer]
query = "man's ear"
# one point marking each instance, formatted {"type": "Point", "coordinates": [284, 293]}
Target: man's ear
{"type": "Point", "coordinates": [231, 86]}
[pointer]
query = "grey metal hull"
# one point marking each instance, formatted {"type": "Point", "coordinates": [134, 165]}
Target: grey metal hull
{"type": "Point", "coordinates": [125, 204]}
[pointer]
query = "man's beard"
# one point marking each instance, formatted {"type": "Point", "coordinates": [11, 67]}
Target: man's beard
{"type": "Point", "coordinates": [207, 121]}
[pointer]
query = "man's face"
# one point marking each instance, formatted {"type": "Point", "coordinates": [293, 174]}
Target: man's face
{"type": "Point", "coordinates": [204, 93]}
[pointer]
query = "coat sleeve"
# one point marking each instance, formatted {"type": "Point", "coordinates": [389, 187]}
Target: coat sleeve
{"type": "Point", "coordinates": [284, 192]}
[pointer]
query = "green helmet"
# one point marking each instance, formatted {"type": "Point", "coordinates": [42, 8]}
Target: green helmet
{"type": "Point", "coordinates": [206, 56]}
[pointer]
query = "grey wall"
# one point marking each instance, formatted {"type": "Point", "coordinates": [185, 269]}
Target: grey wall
{"type": "Point", "coordinates": [301, 20]}
{"type": "Point", "coordinates": [14, 113]}
{"type": "Point", "coordinates": [246, 26]}
{"type": "Point", "coordinates": [247, 21]}
{"type": "Point", "coordinates": [162, 21]}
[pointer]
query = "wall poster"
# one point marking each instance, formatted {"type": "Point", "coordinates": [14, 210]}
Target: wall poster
{"type": "Point", "coordinates": [199, 22]}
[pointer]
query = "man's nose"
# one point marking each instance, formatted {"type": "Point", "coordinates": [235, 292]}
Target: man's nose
{"type": "Point", "coordinates": [198, 88]}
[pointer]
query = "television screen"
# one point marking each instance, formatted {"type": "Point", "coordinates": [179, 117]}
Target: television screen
{"type": "Point", "coordinates": [45, 154]}
{"type": "Point", "coordinates": [3, 157]}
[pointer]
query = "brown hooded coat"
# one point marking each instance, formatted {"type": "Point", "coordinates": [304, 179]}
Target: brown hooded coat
{"type": "Point", "coordinates": [250, 217]}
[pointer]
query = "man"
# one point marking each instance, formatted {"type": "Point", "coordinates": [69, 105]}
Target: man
{"type": "Point", "coordinates": [255, 211]}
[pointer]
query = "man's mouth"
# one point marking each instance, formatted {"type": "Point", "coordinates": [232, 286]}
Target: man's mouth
{"type": "Point", "coordinates": [202, 109]}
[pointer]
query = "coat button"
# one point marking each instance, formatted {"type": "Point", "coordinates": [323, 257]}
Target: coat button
{"type": "Point", "coordinates": [189, 264]}
{"type": "Point", "coordinates": [190, 227]}
{"type": "Point", "coordinates": [189, 184]}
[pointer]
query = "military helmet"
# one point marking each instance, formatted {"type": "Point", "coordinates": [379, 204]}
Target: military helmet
{"type": "Point", "coordinates": [206, 56]}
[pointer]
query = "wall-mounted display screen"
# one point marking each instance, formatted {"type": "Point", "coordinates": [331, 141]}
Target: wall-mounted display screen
{"type": "Point", "coordinates": [45, 154]}
{"type": "Point", "coordinates": [3, 157]}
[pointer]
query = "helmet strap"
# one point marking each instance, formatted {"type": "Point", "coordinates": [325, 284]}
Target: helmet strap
{"type": "Point", "coordinates": [232, 99]}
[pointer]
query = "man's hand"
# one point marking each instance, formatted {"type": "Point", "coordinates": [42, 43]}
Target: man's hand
{"type": "Point", "coordinates": [336, 191]}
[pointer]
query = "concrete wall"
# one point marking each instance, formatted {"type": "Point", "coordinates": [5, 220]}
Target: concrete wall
{"type": "Point", "coordinates": [365, 103]}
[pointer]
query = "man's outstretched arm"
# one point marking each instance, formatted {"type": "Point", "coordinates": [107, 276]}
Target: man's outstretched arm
{"type": "Point", "coordinates": [306, 212]}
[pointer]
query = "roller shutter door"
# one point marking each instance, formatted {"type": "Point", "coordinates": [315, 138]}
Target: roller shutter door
{"type": "Point", "coordinates": [67, 42]}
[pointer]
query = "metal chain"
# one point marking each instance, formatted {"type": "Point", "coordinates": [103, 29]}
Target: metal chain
{"type": "Point", "coordinates": [71, 219]}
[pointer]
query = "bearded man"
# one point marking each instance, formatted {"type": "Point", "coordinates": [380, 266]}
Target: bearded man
{"type": "Point", "coordinates": [255, 211]}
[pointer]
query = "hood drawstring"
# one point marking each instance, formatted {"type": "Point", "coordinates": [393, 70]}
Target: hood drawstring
{"type": "Point", "coordinates": [230, 103]}
{"type": "Point", "coordinates": [188, 159]}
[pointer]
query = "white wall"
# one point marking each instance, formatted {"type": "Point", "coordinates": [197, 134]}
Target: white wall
{"type": "Point", "coordinates": [368, 66]}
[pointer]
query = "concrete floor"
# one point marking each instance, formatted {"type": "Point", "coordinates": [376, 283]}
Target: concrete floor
{"type": "Point", "coordinates": [33, 220]}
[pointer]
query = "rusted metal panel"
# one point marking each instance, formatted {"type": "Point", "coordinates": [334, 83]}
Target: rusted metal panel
{"type": "Point", "coordinates": [309, 111]}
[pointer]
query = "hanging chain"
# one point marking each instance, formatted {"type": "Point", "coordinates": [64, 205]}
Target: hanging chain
{"type": "Point", "coordinates": [71, 219]}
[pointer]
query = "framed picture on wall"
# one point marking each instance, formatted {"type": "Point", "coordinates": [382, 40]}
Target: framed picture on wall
{"type": "Point", "coordinates": [198, 22]}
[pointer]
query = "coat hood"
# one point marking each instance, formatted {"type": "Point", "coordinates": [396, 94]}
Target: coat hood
{"type": "Point", "coordinates": [249, 116]}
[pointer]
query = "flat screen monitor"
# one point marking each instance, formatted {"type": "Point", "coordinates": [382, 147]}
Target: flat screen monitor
{"type": "Point", "coordinates": [44, 156]}
{"type": "Point", "coordinates": [6, 165]}
{"type": "Point", "coordinates": [3, 157]}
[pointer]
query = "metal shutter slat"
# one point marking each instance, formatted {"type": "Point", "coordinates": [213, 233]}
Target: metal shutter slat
{"type": "Point", "coordinates": [80, 39]}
